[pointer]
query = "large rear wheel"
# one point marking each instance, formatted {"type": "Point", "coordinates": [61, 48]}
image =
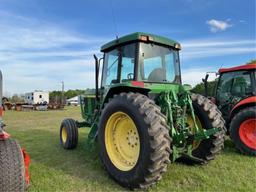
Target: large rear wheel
{"type": "Point", "coordinates": [243, 131]}
{"type": "Point", "coordinates": [12, 169]}
{"type": "Point", "coordinates": [134, 140]}
{"type": "Point", "coordinates": [207, 117]}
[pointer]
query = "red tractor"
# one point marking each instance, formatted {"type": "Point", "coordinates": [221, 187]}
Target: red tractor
{"type": "Point", "coordinates": [14, 161]}
{"type": "Point", "coordinates": [235, 96]}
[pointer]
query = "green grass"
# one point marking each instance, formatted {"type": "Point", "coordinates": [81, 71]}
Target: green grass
{"type": "Point", "coordinates": [55, 169]}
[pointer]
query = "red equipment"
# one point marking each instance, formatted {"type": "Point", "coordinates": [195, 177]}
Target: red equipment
{"type": "Point", "coordinates": [14, 161]}
{"type": "Point", "coordinates": [235, 96]}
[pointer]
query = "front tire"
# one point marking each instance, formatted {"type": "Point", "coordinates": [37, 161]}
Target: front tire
{"type": "Point", "coordinates": [243, 131]}
{"type": "Point", "coordinates": [68, 134]}
{"type": "Point", "coordinates": [12, 169]}
{"type": "Point", "coordinates": [134, 140]}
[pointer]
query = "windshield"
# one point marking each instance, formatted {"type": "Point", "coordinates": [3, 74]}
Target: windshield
{"type": "Point", "coordinates": [158, 64]}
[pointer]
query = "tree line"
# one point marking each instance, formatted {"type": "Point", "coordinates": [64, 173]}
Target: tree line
{"type": "Point", "coordinates": [71, 93]}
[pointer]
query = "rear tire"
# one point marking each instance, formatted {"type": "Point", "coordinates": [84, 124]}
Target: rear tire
{"type": "Point", "coordinates": [209, 117]}
{"type": "Point", "coordinates": [68, 134]}
{"type": "Point", "coordinates": [239, 133]}
{"type": "Point", "coordinates": [12, 169]}
{"type": "Point", "coordinates": [154, 140]}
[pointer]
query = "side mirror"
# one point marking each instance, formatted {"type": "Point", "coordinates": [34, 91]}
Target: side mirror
{"type": "Point", "coordinates": [95, 57]}
{"type": "Point", "coordinates": [205, 81]}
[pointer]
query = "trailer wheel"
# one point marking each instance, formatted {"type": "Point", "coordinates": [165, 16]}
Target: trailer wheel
{"type": "Point", "coordinates": [12, 169]}
{"type": "Point", "coordinates": [207, 117]}
{"type": "Point", "coordinates": [243, 131]}
{"type": "Point", "coordinates": [68, 134]}
{"type": "Point", "coordinates": [134, 140]}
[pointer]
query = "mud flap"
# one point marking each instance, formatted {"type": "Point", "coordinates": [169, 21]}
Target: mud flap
{"type": "Point", "coordinates": [26, 164]}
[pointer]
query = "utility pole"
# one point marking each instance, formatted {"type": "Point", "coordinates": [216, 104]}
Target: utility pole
{"type": "Point", "coordinates": [62, 92]}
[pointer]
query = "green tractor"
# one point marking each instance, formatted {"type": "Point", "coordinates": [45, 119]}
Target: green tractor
{"type": "Point", "coordinates": [142, 116]}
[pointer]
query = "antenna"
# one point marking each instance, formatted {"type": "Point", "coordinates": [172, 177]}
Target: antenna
{"type": "Point", "coordinates": [114, 18]}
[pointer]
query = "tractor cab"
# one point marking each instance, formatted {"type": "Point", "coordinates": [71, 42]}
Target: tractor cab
{"type": "Point", "coordinates": [138, 60]}
{"type": "Point", "coordinates": [141, 57]}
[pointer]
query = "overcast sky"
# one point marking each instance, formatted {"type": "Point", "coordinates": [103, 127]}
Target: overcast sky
{"type": "Point", "coordinates": [44, 42]}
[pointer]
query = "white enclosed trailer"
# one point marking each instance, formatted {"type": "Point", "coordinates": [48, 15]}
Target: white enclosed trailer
{"type": "Point", "coordinates": [37, 97]}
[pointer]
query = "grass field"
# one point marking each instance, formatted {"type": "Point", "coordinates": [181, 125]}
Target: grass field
{"type": "Point", "coordinates": [55, 169]}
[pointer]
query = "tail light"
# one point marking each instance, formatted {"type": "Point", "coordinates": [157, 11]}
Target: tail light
{"type": "Point", "coordinates": [137, 83]}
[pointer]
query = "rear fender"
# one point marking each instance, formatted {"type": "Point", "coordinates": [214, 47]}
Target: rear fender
{"type": "Point", "coordinates": [248, 102]}
{"type": "Point", "coordinates": [123, 89]}
{"type": "Point", "coordinates": [110, 94]}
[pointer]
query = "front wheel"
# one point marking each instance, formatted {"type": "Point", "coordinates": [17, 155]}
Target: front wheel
{"type": "Point", "coordinates": [243, 131]}
{"type": "Point", "coordinates": [134, 140]}
{"type": "Point", "coordinates": [68, 134]}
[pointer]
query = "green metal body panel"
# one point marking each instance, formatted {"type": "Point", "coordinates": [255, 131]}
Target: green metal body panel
{"type": "Point", "coordinates": [175, 103]}
{"type": "Point", "coordinates": [88, 105]}
{"type": "Point", "coordinates": [137, 36]}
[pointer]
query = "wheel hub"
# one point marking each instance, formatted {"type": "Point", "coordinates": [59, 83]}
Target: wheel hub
{"type": "Point", "coordinates": [192, 126]}
{"type": "Point", "coordinates": [247, 133]}
{"type": "Point", "coordinates": [64, 134]}
{"type": "Point", "coordinates": [132, 138]}
{"type": "Point", "coordinates": [122, 141]}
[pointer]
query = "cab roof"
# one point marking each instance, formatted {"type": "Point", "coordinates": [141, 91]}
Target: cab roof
{"type": "Point", "coordinates": [140, 36]}
{"type": "Point", "coordinates": [238, 68]}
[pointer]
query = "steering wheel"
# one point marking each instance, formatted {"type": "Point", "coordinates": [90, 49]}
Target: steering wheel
{"type": "Point", "coordinates": [130, 76]}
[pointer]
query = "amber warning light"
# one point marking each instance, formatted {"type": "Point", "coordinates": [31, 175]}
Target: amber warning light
{"type": "Point", "coordinates": [146, 38]}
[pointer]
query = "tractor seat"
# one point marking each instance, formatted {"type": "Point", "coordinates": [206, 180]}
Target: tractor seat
{"type": "Point", "coordinates": [157, 75]}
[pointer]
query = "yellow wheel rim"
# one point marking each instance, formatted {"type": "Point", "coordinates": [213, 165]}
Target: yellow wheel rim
{"type": "Point", "coordinates": [64, 134]}
{"type": "Point", "coordinates": [122, 141]}
{"type": "Point", "coordinates": [193, 128]}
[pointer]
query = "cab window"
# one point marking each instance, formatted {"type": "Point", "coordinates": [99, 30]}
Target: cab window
{"type": "Point", "coordinates": [127, 62]}
{"type": "Point", "coordinates": [224, 87]}
{"type": "Point", "coordinates": [242, 84]}
{"type": "Point", "coordinates": [110, 67]}
{"type": "Point", "coordinates": [236, 84]}
{"type": "Point", "coordinates": [157, 63]}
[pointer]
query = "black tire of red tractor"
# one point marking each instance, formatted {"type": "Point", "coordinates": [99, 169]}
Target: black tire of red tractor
{"type": "Point", "coordinates": [72, 134]}
{"type": "Point", "coordinates": [154, 136]}
{"type": "Point", "coordinates": [240, 117]}
{"type": "Point", "coordinates": [210, 117]}
{"type": "Point", "coordinates": [12, 169]}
